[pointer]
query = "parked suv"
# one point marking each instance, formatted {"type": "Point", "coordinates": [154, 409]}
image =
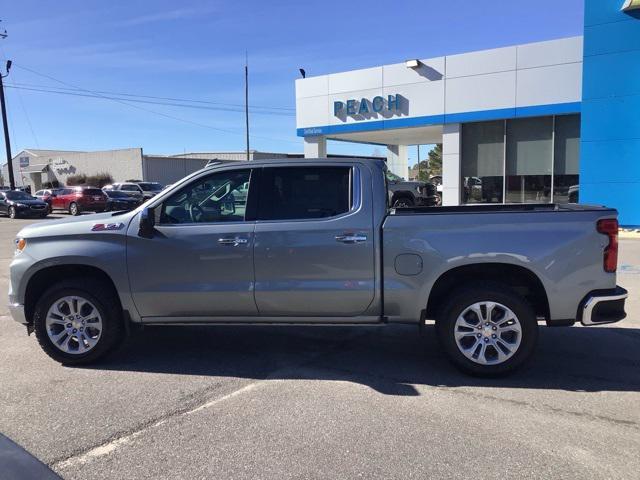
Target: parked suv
{"type": "Point", "coordinates": [117, 200]}
{"type": "Point", "coordinates": [76, 200]}
{"type": "Point", "coordinates": [150, 189]}
{"type": "Point", "coordinates": [410, 194]}
{"type": "Point", "coordinates": [143, 190]}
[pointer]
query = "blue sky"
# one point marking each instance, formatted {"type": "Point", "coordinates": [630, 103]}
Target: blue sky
{"type": "Point", "coordinates": [196, 50]}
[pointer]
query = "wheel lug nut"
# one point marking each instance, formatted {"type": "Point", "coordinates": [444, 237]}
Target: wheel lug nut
{"type": "Point", "coordinates": [486, 339]}
{"type": "Point", "coordinates": [494, 336]}
{"type": "Point", "coordinates": [495, 328]}
{"type": "Point", "coordinates": [81, 329]}
{"type": "Point", "coordinates": [68, 325]}
{"type": "Point", "coordinates": [75, 330]}
{"type": "Point", "coordinates": [478, 335]}
{"type": "Point", "coordinates": [486, 324]}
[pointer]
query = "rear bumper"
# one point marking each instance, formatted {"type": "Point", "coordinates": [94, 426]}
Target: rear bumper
{"type": "Point", "coordinates": [602, 306]}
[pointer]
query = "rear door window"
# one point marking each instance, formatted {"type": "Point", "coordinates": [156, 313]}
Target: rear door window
{"type": "Point", "coordinates": [300, 193]}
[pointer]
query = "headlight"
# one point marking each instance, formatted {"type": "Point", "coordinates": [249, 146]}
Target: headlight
{"type": "Point", "coordinates": [21, 243]}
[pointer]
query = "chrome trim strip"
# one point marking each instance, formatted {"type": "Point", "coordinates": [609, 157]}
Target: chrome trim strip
{"type": "Point", "coordinates": [591, 303]}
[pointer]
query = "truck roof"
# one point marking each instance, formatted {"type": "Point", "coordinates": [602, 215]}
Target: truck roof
{"type": "Point", "coordinates": [285, 161]}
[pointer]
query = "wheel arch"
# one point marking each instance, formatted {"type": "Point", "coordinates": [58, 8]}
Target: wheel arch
{"type": "Point", "coordinates": [402, 194]}
{"type": "Point", "coordinates": [45, 277]}
{"type": "Point", "coordinates": [522, 280]}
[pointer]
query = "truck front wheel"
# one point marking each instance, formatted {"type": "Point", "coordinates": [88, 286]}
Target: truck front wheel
{"type": "Point", "coordinates": [78, 321]}
{"type": "Point", "coordinates": [488, 330]}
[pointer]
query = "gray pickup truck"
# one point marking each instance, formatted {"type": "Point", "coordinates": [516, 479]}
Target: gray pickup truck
{"type": "Point", "coordinates": [315, 242]}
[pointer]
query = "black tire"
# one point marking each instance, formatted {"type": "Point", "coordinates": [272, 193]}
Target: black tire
{"type": "Point", "coordinates": [465, 297]}
{"type": "Point", "coordinates": [403, 202]}
{"type": "Point", "coordinates": [107, 304]}
{"type": "Point", "coordinates": [12, 212]}
{"type": "Point", "coordinates": [74, 209]}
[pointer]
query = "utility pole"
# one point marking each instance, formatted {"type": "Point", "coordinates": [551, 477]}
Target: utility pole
{"type": "Point", "coordinates": [5, 124]}
{"type": "Point", "coordinates": [418, 162]}
{"type": "Point", "coordinates": [246, 97]}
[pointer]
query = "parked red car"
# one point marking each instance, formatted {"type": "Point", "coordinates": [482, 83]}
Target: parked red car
{"type": "Point", "coordinates": [76, 200]}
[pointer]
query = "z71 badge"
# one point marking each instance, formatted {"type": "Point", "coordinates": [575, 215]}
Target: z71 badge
{"type": "Point", "coordinates": [102, 227]}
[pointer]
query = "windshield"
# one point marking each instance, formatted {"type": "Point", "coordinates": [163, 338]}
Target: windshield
{"type": "Point", "coordinates": [15, 195]}
{"type": "Point", "coordinates": [150, 186]}
{"type": "Point", "coordinates": [392, 177]}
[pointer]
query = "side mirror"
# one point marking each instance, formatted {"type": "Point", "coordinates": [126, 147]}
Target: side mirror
{"type": "Point", "coordinates": [147, 223]}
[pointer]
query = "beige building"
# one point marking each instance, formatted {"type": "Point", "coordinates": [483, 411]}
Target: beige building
{"type": "Point", "coordinates": [35, 168]}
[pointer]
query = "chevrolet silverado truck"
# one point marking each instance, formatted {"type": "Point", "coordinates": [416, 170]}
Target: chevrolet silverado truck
{"type": "Point", "coordinates": [316, 242]}
{"type": "Point", "coordinates": [404, 194]}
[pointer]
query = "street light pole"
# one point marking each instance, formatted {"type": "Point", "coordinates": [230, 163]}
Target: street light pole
{"type": "Point", "coordinates": [5, 125]}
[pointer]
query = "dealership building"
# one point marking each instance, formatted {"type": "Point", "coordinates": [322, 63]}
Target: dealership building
{"type": "Point", "coordinates": [540, 122]}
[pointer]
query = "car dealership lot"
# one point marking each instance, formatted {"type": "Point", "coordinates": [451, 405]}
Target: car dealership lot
{"type": "Point", "coordinates": [318, 402]}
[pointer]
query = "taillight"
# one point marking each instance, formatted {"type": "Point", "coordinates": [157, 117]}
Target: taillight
{"type": "Point", "coordinates": [609, 227]}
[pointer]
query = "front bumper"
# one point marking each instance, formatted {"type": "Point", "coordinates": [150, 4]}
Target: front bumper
{"type": "Point", "coordinates": [17, 313]}
{"type": "Point", "coordinates": [603, 306]}
{"type": "Point", "coordinates": [32, 212]}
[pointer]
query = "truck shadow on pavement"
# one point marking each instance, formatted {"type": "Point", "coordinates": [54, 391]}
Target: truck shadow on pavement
{"type": "Point", "coordinates": [392, 360]}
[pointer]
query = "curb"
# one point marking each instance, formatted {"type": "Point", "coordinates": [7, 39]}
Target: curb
{"type": "Point", "coordinates": [629, 233]}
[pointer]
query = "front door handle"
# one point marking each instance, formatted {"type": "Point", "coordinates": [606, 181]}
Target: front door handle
{"type": "Point", "coordinates": [233, 242]}
{"type": "Point", "coordinates": [351, 238]}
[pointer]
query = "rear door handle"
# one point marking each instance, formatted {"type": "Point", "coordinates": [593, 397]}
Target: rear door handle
{"type": "Point", "coordinates": [351, 238]}
{"type": "Point", "coordinates": [233, 242]}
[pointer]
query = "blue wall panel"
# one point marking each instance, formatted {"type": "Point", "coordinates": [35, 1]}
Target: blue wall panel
{"type": "Point", "coordinates": [610, 131]}
{"type": "Point", "coordinates": [615, 74]}
{"type": "Point", "coordinates": [615, 160]}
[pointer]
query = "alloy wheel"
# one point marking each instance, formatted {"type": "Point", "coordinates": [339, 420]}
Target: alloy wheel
{"type": "Point", "coordinates": [74, 325]}
{"type": "Point", "coordinates": [488, 333]}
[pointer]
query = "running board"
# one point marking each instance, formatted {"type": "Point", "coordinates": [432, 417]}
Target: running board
{"type": "Point", "coordinates": [320, 321]}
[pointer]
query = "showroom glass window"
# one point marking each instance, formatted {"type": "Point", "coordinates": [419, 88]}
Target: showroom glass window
{"type": "Point", "coordinates": [216, 198]}
{"type": "Point", "coordinates": [301, 193]}
{"type": "Point", "coordinates": [529, 160]}
{"type": "Point", "coordinates": [566, 159]}
{"type": "Point", "coordinates": [483, 162]}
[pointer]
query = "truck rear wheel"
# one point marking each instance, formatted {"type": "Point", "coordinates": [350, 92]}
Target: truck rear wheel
{"type": "Point", "coordinates": [488, 330]}
{"type": "Point", "coordinates": [78, 321]}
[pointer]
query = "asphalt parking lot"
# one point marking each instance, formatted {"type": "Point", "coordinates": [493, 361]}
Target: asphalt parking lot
{"type": "Point", "coordinates": [317, 402]}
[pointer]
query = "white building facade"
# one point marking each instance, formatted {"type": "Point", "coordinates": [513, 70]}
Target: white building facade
{"type": "Point", "coordinates": [508, 118]}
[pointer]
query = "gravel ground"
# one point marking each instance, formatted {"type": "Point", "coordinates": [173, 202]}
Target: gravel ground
{"type": "Point", "coordinates": [318, 402]}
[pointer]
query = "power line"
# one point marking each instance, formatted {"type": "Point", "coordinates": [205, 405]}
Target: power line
{"type": "Point", "coordinates": [148, 110]}
{"type": "Point", "coordinates": [187, 100]}
{"type": "Point", "coordinates": [77, 93]}
{"type": "Point", "coordinates": [24, 110]}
